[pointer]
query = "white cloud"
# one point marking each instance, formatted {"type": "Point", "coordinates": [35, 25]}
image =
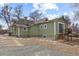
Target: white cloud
{"type": "Point", "coordinates": [65, 13]}
{"type": "Point", "coordinates": [52, 16]}
{"type": "Point", "coordinates": [36, 6]}
{"type": "Point", "coordinates": [1, 4]}
{"type": "Point", "coordinates": [5, 27]}
{"type": "Point", "coordinates": [48, 6]}
{"type": "Point", "coordinates": [43, 7]}
{"type": "Point", "coordinates": [70, 14]}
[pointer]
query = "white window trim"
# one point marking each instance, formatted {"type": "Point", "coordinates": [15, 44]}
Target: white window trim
{"type": "Point", "coordinates": [44, 26]}
{"type": "Point", "coordinates": [63, 26]}
{"type": "Point", "coordinates": [41, 26]}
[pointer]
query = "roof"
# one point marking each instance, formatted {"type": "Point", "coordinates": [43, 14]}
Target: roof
{"type": "Point", "coordinates": [47, 21]}
{"type": "Point", "coordinates": [22, 22]}
{"type": "Point", "coordinates": [25, 22]}
{"type": "Point", "coordinates": [20, 25]}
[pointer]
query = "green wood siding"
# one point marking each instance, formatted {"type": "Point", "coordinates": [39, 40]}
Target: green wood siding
{"type": "Point", "coordinates": [36, 31]}
{"type": "Point", "coordinates": [14, 30]}
{"type": "Point", "coordinates": [23, 32]}
{"type": "Point", "coordinates": [49, 31]}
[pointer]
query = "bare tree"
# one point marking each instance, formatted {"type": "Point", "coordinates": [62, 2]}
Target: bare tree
{"type": "Point", "coordinates": [67, 19]}
{"type": "Point", "coordinates": [5, 13]}
{"type": "Point", "coordinates": [18, 11]}
{"type": "Point", "coordinates": [1, 26]}
{"type": "Point", "coordinates": [36, 15]}
{"type": "Point", "coordinates": [75, 7]}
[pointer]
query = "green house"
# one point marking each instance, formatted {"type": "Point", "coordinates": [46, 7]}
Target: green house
{"type": "Point", "coordinates": [46, 29]}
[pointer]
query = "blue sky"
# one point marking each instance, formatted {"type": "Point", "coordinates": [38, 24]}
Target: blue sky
{"type": "Point", "coordinates": [49, 10]}
{"type": "Point", "coordinates": [28, 7]}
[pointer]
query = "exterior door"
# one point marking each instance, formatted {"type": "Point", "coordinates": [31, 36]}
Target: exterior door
{"type": "Point", "coordinates": [61, 28]}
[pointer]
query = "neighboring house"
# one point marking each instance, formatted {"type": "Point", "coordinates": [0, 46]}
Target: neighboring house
{"type": "Point", "coordinates": [47, 28]}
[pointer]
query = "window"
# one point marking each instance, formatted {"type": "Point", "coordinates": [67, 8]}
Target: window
{"type": "Point", "coordinates": [25, 29]}
{"type": "Point", "coordinates": [41, 26]}
{"type": "Point", "coordinates": [45, 26]}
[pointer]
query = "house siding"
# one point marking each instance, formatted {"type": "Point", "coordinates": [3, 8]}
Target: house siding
{"type": "Point", "coordinates": [36, 31]}
{"type": "Point", "coordinates": [49, 31]}
{"type": "Point", "coordinates": [23, 32]}
{"type": "Point", "coordinates": [14, 31]}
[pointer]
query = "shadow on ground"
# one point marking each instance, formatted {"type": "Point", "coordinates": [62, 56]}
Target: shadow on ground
{"type": "Point", "coordinates": [72, 43]}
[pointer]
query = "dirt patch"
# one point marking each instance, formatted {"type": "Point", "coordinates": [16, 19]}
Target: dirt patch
{"type": "Point", "coordinates": [65, 47]}
{"type": "Point", "coordinates": [72, 43]}
{"type": "Point", "coordinates": [52, 44]}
